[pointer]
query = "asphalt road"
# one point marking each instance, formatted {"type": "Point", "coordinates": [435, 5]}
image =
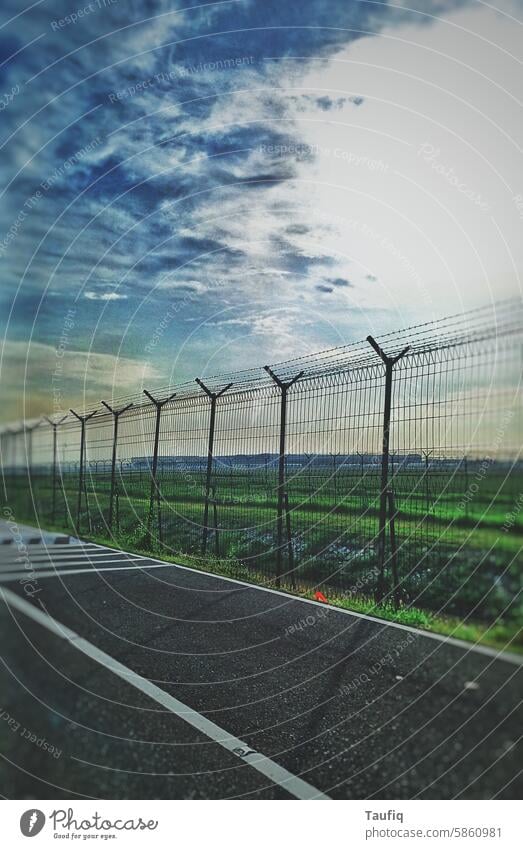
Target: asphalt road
{"type": "Point", "coordinates": [323, 702]}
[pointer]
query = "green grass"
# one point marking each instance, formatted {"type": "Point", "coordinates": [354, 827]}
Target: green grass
{"type": "Point", "coordinates": [500, 635]}
{"type": "Point", "coordinates": [485, 577]}
{"type": "Point", "coordinates": [450, 529]}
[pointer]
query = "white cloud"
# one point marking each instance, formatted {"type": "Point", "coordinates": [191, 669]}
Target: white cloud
{"type": "Point", "coordinates": [104, 296]}
{"type": "Point", "coordinates": [451, 84]}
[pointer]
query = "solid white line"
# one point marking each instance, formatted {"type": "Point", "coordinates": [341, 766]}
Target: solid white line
{"type": "Point", "coordinates": [6, 577]}
{"type": "Point", "coordinates": [277, 774]}
{"type": "Point", "coordinates": [498, 654]}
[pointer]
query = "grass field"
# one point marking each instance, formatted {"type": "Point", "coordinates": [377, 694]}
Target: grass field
{"type": "Point", "coordinates": [458, 536]}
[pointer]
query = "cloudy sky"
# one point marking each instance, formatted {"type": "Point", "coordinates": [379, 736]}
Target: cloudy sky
{"type": "Point", "coordinates": [190, 188]}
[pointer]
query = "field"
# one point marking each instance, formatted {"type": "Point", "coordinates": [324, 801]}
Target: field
{"type": "Point", "coordinates": [458, 532]}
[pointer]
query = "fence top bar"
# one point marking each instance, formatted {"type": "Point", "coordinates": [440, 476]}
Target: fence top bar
{"type": "Point", "coordinates": [57, 422]}
{"type": "Point", "coordinates": [283, 384]}
{"type": "Point", "coordinates": [119, 412]}
{"type": "Point", "coordinates": [210, 392]}
{"type": "Point", "coordinates": [85, 417]}
{"type": "Point", "coordinates": [496, 320]}
{"type": "Point", "coordinates": [389, 361]}
{"type": "Point", "coordinates": [157, 401]}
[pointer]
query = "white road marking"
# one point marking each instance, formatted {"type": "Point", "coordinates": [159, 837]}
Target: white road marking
{"type": "Point", "coordinates": [50, 546]}
{"type": "Point", "coordinates": [277, 774]}
{"type": "Point", "coordinates": [18, 565]}
{"type": "Point", "coordinates": [50, 554]}
{"type": "Point", "coordinates": [42, 551]}
{"type": "Point", "coordinates": [6, 577]}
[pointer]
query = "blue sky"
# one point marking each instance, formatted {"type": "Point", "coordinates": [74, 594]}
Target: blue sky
{"type": "Point", "coordinates": [191, 188]}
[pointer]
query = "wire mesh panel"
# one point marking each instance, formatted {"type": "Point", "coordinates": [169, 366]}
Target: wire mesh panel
{"type": "Point", "coordinates": [333, 476]}
{"type": "Point", "coordinates": [456, 475]}
{"type": "Point", "coordinates": [181, 471]}
{"type": "Point", "coordinates": [243, 494]}
{"type": "Point", "coordinates": [394, 462]}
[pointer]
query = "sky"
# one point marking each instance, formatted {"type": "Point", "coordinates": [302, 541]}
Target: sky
{"type": "Point", "coordinates": [191, 188]}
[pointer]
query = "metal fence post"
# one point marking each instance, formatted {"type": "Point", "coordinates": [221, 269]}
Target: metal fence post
{"type": "Point", "coordinates": [116, 416]}
{"type": "Point", "coordinates": [55, 426]}
{"type": "Point", "coordinates": [4, 442]}
{"type": "Point", "coordinates": [335, 474]}
{"type": "Point", "coordinates": [28, 433]}
{"type": "Point", "coordinates": [14, 434]}
{"type": "Point", "coordinates": [389, 363]}
{"type": "Point", "coordinates": [394, 548]}
{"type": "Point", "coordinates": [284, 386]}
{"type": "Point", "coordinates": [208, 476]}
{"type": "Point", "coordinates": [83, 421]}
{"type": "Point", "coordinates": [7, 451]}
{"type": "Point", "coordinates": [426, 455]}
{"type": "Point", "coordinates": [466, 487]}
{"type": "Point", "coordinates": [290, 550]}
{"type": "Point", "coordinates": [155, 491]}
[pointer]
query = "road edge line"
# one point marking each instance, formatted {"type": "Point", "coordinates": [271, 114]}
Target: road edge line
{"type": "Point", "coordinates": [278, 775]}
